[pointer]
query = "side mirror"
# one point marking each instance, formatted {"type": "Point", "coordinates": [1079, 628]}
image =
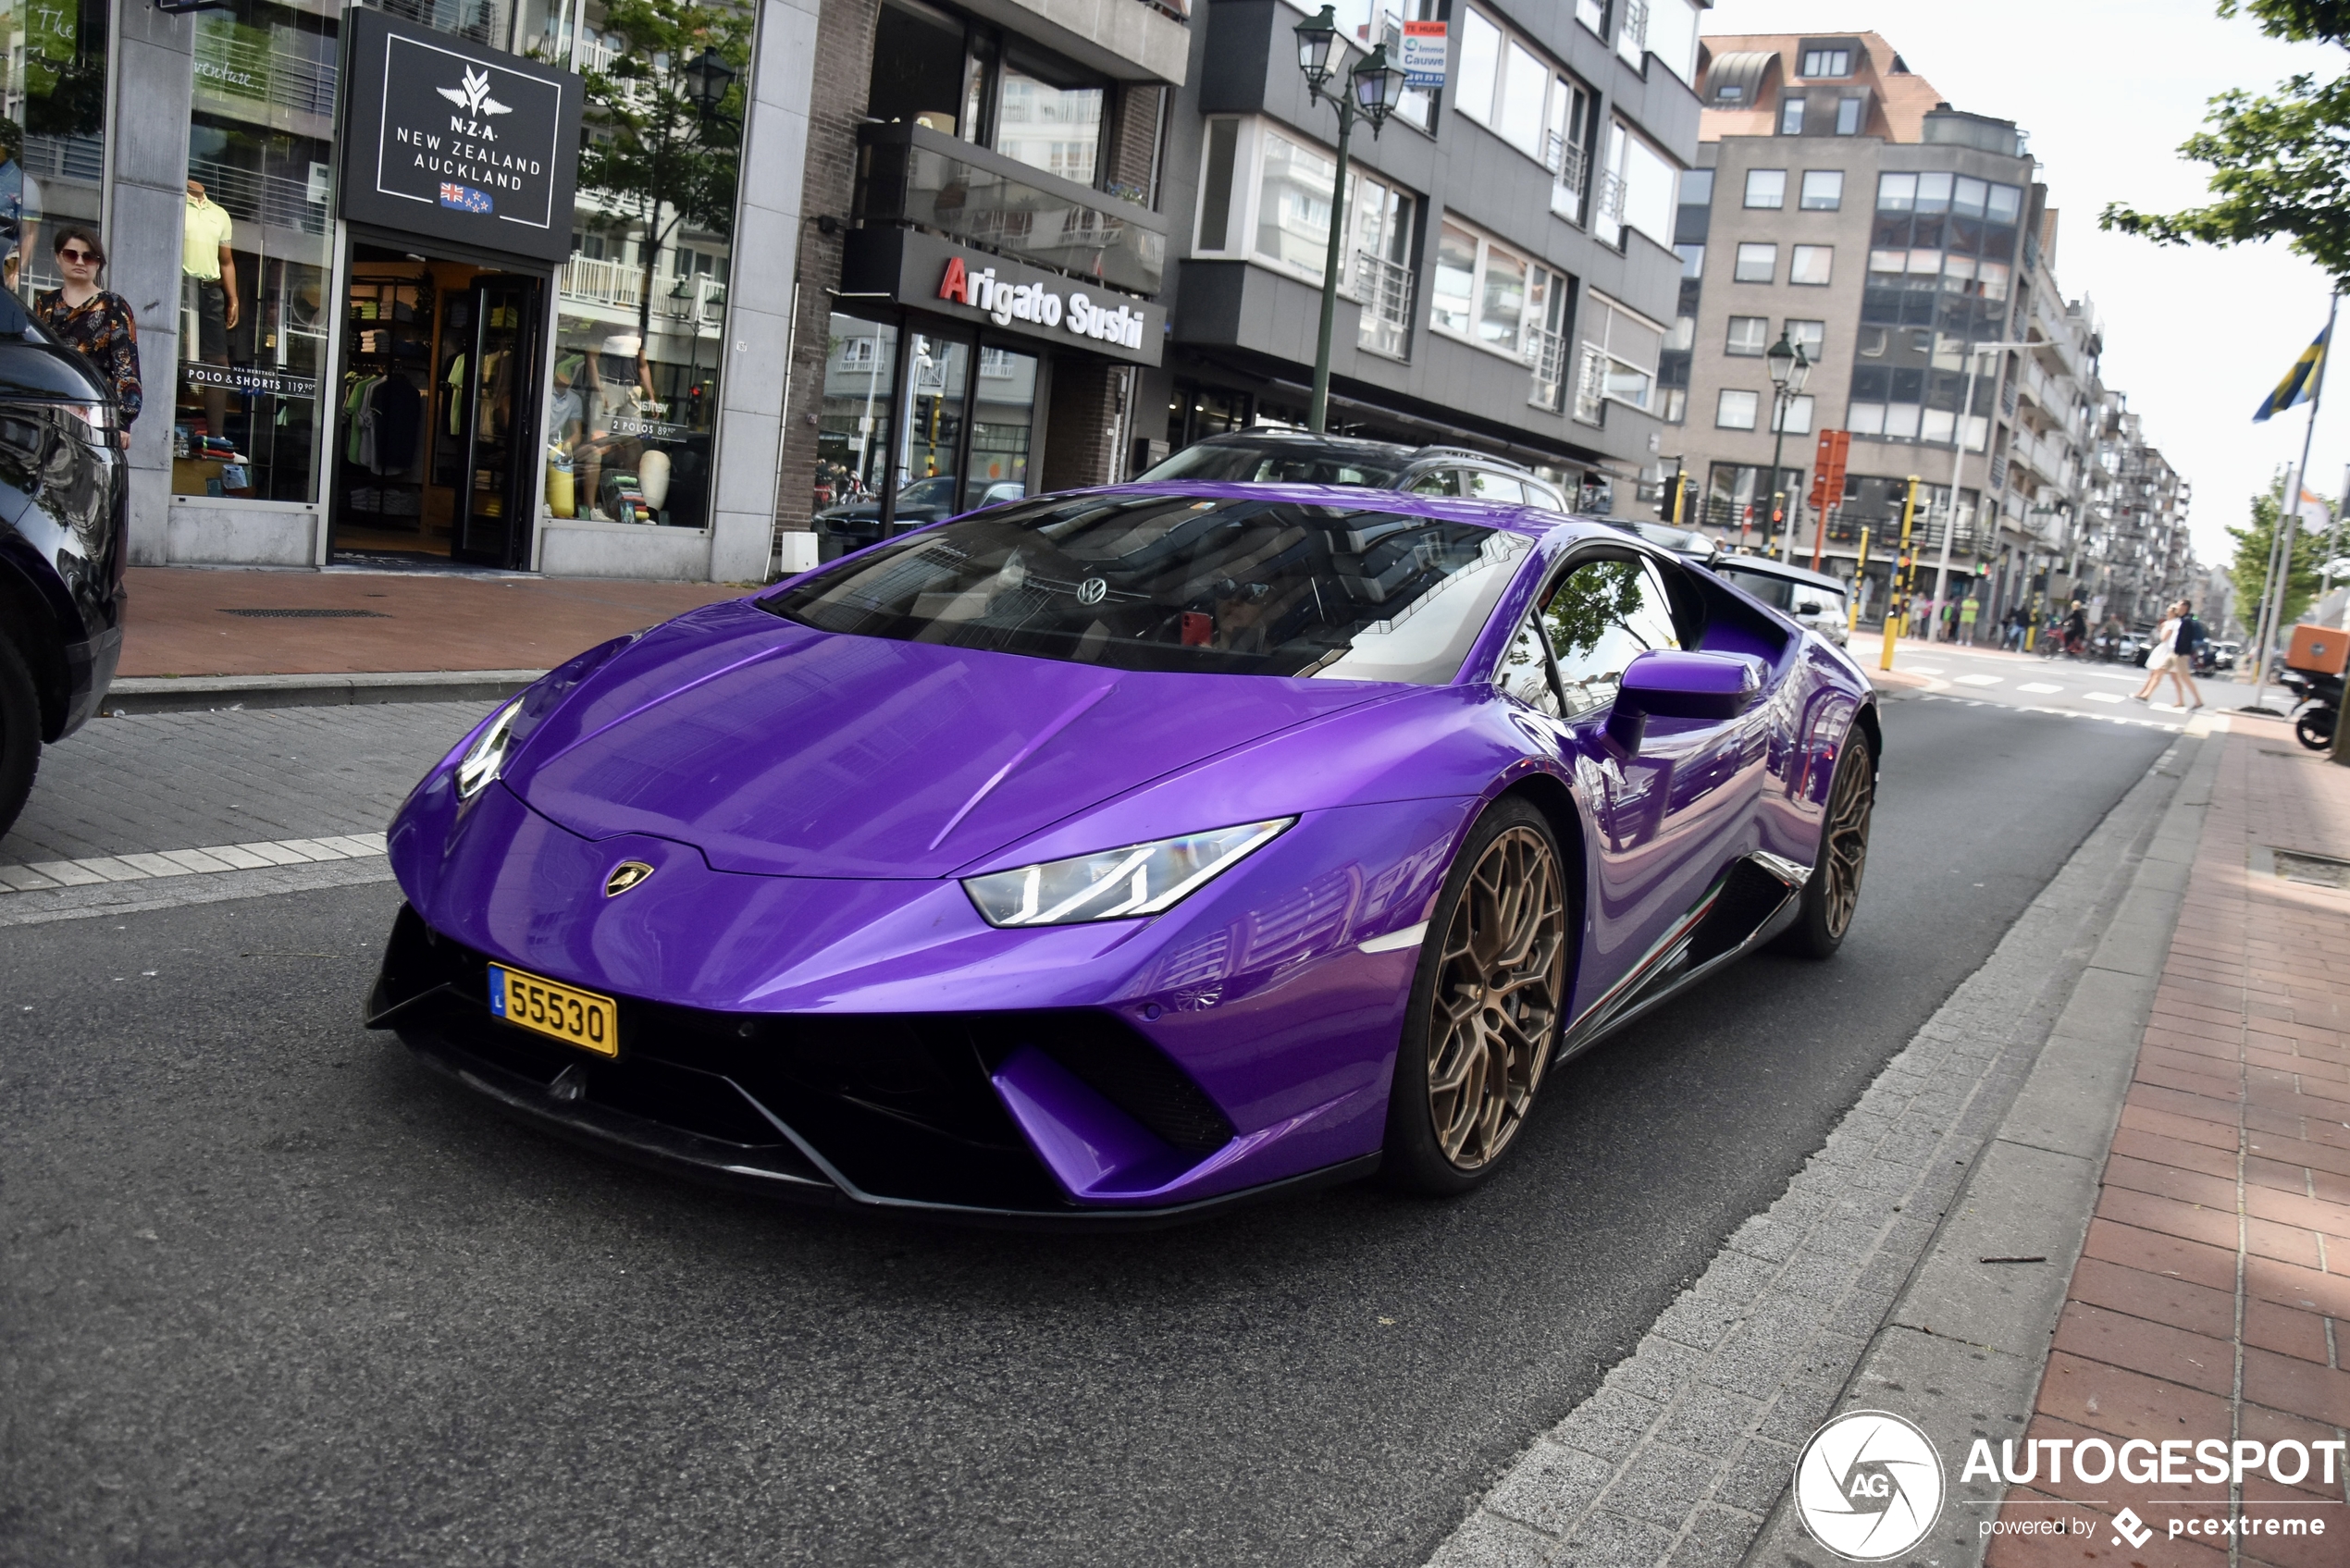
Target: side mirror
{"type": "Point", "coordinates": [1809, 607]}
{"type": "Point", "coordinates": [1665, 684]}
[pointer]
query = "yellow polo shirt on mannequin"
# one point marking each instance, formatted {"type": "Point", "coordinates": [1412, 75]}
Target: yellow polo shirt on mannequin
{"type": "Point", "coordinates": [207, 234]}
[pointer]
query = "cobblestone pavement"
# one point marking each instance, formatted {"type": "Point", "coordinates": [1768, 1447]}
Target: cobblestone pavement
{"type": "Point", "coordinates": [2212, 1300]}
{"type": "Point", "coordinates": [1687, 1445]}
{"type": "Point", "coordinates": [183, 781]}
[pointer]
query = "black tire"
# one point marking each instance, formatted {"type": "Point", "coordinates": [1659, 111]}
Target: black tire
{"type": "Point", "coordinates": [1504, 913]}
{"type": "Point", "coordinates": [2314, 729]}
{"type": "Point", "coordinates": [1829, 898]}
{"type": "Point", "coordinates": [19, 733]}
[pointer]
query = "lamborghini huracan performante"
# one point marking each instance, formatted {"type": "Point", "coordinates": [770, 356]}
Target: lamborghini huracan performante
{"type": "Point", "coordinates": [1107, 858]}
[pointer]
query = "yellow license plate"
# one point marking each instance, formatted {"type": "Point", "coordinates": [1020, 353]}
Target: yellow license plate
{"type": "Point", "coordinates": [560, 1012]}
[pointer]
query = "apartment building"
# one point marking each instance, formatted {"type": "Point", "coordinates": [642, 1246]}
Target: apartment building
{"type": "Point", "coordinates": [1840, 200]}
{"type": "Point", "coordinates": [1506, 280]}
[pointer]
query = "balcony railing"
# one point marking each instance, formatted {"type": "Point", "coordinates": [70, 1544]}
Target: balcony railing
{"type": "Point", "coordinates": [270, 199]}
{"type": "Point", "coordinates": [1570, 166]}
{"type": "Point", "coordinates": [1387, 304]}
{"type": "Point", "coordinates": [1590, 387]}
{"type": "Point", "coordinates": [912, 174]}
{"type": "Point", "coordinates": [1545, 355]}
{"type": "Point", "coordinates": [592, 280]}
{"type": "Point", "coordinates": [234, 64]}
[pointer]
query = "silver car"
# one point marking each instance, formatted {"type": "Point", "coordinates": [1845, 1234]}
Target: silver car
{"type": "Point", "coordinates": [1814, 599]}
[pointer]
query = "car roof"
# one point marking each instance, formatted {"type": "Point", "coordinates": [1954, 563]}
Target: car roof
{"type": "Point", "coordinates": [1770, 568]}
{"type": "Point", "coordinates": [1366, 444]}
{"type": "Point", "coordinates": [1532, 520]}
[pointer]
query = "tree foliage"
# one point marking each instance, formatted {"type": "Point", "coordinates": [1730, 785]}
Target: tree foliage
{"type": "Point", "coordinates": [648, 147]}
{"type": "Point", "coordinates": [2249, 570]}
{"type": "Point", "coordinates": [2280, 162]}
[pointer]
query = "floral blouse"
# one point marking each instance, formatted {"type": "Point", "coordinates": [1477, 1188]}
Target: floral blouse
{"type": "Point", "coordinates": [105, 333]}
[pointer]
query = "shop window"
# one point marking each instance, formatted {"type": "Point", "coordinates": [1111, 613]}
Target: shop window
{"type": "Point", "coordinates": [640, 337]}
{"type": "Point", "coordinates": [853, 423]}
{"type": "Point", "coordinates": [248, 413]}
{"type": "Point", "coordinates": [53, 161]}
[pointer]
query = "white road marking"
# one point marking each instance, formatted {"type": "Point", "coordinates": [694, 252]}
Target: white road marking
{"type": "Point", "coordinates": [2105, 696]}
{"type": "Point", "coordinates": [187, 862]}
{"type": "Point", "coordinates": [1982, 680]}
{"type": "Point", "coordinates": [1923, 669]}
{"type": "Point", "coordinates": [2040, 686]}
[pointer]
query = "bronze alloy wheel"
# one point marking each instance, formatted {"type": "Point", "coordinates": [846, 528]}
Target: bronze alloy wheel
{"type": "Point", "coordinates": [1845, 840]}
{"type": "Point", "coordinates": [1501, 981]}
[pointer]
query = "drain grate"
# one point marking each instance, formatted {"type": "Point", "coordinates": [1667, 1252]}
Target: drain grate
{"type": "Point", "coordinates": [308, 614]}
{"type": "Point", "coordinates": [2323, 871]}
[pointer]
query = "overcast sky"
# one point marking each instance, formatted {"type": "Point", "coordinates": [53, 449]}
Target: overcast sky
{"type": "Point", "coordinates": [2107, 89]}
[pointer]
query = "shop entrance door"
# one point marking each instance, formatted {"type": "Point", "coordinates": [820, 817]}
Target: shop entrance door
{"type": "Point", "coordinates": [487, 401]}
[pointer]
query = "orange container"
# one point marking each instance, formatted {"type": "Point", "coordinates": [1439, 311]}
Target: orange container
{"type": "Point", "coordinates": [2321, 648]}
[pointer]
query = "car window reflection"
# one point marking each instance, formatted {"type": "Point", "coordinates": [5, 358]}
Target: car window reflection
{"type": "Point", "coordinates": [1603, 614]}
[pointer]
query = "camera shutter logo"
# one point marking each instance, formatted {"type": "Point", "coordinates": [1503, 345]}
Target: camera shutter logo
{"type": "Point", "coordinates": [1868, 1486]}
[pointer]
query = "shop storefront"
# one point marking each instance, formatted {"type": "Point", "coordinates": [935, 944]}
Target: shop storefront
{"type": "Point", "coordinates": [948, 370]}
{"type": "Point", "coordinates": [453, 282]}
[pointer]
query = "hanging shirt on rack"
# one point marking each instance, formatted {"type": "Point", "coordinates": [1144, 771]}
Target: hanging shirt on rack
{"type": "Point", "coordinates": [399, 413]}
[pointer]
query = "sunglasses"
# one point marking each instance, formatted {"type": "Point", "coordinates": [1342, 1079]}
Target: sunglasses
{"type": "Point", "coordinates": [75, 254]}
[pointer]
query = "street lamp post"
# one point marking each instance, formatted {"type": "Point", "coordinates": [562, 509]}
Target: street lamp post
{"type": "Point", "coordinates": [1958, 472]}
{"type": "Point", "coordinates": [1373, 89]}
{"type": "Point", "coordinates": [1790, 367]}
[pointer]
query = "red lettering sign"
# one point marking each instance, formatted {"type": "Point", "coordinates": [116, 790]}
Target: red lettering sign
{"type": "Point", "coordinates": [955, 286]}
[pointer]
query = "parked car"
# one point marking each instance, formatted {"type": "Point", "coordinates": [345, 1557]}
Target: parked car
{"type": "Point", "coordinates": [856, 523]}
{"type": "Point", "coordinates": [1121, 855]}
{"type": "Point", "coordinates": [64, 513]}
{"type": "Point", "coordinates": [1296, 457]}
{"type": "Point", "coordinates": [1814, 599]}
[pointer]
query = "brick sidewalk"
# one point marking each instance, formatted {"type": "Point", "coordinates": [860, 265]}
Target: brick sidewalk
{"type": "Point", "coordinates": [180, 620]}
{"type": "Point", "coordinates": [2212, 1300]}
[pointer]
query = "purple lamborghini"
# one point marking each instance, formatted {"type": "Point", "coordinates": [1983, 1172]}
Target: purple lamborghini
{"type": "Point", "coordinates": [1109, 858]}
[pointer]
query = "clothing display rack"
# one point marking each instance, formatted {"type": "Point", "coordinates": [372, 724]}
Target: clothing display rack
{"type": "Point", "coordinates": [387, 361]}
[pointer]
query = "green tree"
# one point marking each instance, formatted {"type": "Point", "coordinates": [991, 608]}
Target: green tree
{"type": "Point", "coordinates": [647, 147]}
{"type": "Point", "coordinates": [2280, 162]}
{"type": "Point", "coordinates": [2249, 570]}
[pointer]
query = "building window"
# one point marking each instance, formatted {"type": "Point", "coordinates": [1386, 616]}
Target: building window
{"type": "Point", "coordinates": [1796, 419]}
{"type": "Point", "coordinates": [1487, 295]}
{"type": "Point", "coordinates": [1215, 184]}
{"type": "Point", "coordinates": [1692, 260]}
{"type": "Point", "coordinates": [1828, 62]}
{"type": "Point", "coordinates": [1791, 115]}
{"type": "Point", "coordinates": [1810, 336]}
{"type": "Point", "coordinates": [1749, 335]}
{"type": "Point", "coordinates": [1735, 411]}
{"type": "Point", "coordinates": [1507, 87]}
{"type": "Point", "coordinates": [1293, 205]}
{"type": "Point", "coordinates": [1632, 31]}
{"type": "Point", "coordinates": [1676, 405]}
{"type": "Point", "coordinates": [1756, 264]}
{"type": "Point", "coordinates": [1822, 190]}
{"type": "Point", "coordinates": [1810, 263]}
{"type": "Point", "coordinates": [1848, 116]}
{"type": "Point", "coordinates": [1050, 119]}
{"type": "Point", "coordinates": [1766, 188]}
{"type": "Point", "coordinates": [1636, 190]}
{"type": "Point", "coordinates": [1266, 197]}
{"type": "Point", "coordinates": [1620, 355]}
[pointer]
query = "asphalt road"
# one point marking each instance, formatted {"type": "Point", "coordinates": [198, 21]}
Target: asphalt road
{"type": "Point", "coordinates": [2085, 688]}
{"type": "Point", "coordinates": [271, 1293]}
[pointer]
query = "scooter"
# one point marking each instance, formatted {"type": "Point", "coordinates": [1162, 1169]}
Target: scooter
{"type": "Point", "coordinates": [2317, 699]}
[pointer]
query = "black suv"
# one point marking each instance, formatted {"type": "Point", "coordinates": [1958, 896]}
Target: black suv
{"type": "Point", "coordinates": [1298, 457]}
{"type": "Point", "coordinates": [64, 510]}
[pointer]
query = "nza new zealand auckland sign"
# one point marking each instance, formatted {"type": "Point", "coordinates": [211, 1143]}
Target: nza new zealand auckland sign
{"type": "Point", "coordinates": [444, 138]}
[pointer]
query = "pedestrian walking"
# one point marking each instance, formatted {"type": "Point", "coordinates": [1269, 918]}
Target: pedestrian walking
{"type": "Point", "coordinates": [2189, 640]}
{"type": "Point", "coordinates": [2164, 657]}
{"type": "Point", "coordinates": [95, 322]}
{"type": "Point", "coordinates": [2019, 628]}
{"type": "Point", "coordinates": [1969, 610]}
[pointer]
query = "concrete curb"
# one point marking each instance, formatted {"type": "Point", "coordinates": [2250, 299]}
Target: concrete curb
{"type": "Point", "coordinates": [169, 694]}
{"type": "Point", "coordinates": [1684, 1450]}
{"type": "Point", "coordinates": [1963, 1350]}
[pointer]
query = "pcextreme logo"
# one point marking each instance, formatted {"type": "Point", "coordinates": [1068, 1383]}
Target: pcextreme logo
{"type": "Point", "coordinates": [1868, 1486]}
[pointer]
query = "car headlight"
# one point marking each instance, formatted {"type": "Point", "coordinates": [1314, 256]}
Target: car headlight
{"type": "Point", "coordinates": [488, 753]}
{"type": "Point", "coordinates": [1142, 879]}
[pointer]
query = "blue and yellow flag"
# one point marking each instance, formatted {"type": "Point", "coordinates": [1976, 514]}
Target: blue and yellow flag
{"type": "Point", "coordinates": [2298, 382]}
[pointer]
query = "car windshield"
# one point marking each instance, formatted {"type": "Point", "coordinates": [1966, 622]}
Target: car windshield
{"type": "Point", "coordinates": [1684, 540]}
{"type": "Point", "coordinates": [1221, 586]}
{"type": "Point", "coordinates": [1287, 462]}
{"type": "Point", "coordinates": [1781, 593]}
{"type": "Point", "coordinates": [939, 491]}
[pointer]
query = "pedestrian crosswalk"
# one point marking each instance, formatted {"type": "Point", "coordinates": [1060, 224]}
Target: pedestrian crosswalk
{"type": "Point", "coordinates": [93, 869]}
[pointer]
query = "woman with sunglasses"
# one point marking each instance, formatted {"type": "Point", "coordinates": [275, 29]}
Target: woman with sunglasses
{"type": "Point", "coordinates": [95, 321]}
